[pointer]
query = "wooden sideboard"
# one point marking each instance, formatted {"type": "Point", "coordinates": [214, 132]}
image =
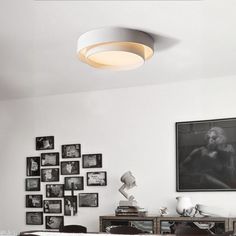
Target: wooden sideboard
{"type": "Point", "coordinates": [167, 225]}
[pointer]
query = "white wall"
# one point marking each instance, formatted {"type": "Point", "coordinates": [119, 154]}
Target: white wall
{"type": "Point", "coordinates": [133, 128]}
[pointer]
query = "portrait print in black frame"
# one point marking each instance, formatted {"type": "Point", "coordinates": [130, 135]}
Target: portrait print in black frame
{"type": "Point", "coordinates": [33, 166]}
{"type": "Point", "coordinates": [32, 184]}
{"type": "Point", "coordinates": [50, 159]}
{"type": "Point", "coordinates": [70, 205]}
{"type": "Point", "coordinates": [70, 168]}
{"type": "Point", "coordinates": [34, 201]}
{"type": "Point", "coordinates": [98, 178]}
{"type": "Point", "coordinates": [54, 190]}
{"type": "Point", "coordinates": [205, 155]}
{"type": "Point", "coordinates": [50, 175]}
{"type": "Point", "coordinates": [88, 199]}
{"type": "Point", "coordinates": [45, 143]}
{"type": "Point", "coordinates": [71, 151]}
{"type": "Point", "coordinates": [34, 218]}
{"type": "Point", "coordinates": [54, 222]}
{"type": "Point", "coordinates": [77, 183]}
{"type": "Point", "coordinates": [92, 160]}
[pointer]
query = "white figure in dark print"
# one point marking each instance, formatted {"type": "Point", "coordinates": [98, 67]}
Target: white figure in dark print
{"type": "Point", "coordinates": [210, 166]}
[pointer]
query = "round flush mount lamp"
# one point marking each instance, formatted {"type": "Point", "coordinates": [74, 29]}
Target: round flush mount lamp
{"type": "Point", "coordinates": [115, 48]}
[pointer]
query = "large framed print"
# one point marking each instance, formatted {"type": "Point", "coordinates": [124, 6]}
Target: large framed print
{"type": "Point", "coordinates": [33, 166]}
{"type": "Point", "coordinates": [34, 218]}
{"type": "Point", "coordinates": [205, 155]}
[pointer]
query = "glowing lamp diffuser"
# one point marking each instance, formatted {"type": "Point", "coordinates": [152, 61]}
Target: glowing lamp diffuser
{"type": "Point", "coordinates": [115, 48]}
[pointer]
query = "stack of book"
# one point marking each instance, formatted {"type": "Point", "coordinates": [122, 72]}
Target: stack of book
{"type": "Point", "coordinates": [128, 211]}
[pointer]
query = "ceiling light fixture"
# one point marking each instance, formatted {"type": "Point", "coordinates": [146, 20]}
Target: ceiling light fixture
{"type": "Point", "coordinates": [115, 48]}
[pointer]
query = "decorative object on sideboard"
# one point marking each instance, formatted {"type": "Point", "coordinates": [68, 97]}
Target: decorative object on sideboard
{"type": "Point", "coordinates": [184, 206]}
{"type": "Point", "coordinates": [206, 159]}
{"type": "Point", "coordinates": [164, 211]}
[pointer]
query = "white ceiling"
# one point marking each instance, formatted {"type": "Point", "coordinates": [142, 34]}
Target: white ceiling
{"type": "Point", "coordinates": [194, 40]}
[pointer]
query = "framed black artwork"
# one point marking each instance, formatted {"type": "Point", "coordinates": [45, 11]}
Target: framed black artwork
{"type": "Point", "coordinates": [205, 155]}
{"type": "Point", "coordinates": [74, 183]}
{"type": "Point", "coordinates": [54, 222]}
{"type": "Point", "coordinates": [34, 218]}
{"type": "Point", "coordinates": [54, 190]}
{"type": "Point", "coordinates": [92, 160]}
{"type": "Point", "coordinates": [97, 178]}
{"type": "Point", "coordinates": [33, 166]}
{"type": "Point", "coordinates": [34, 201]}
{"type": "Point", "coordinates": [88, 199]}
{"type": "Point", "coordinates": [52, 206]}
{"type": "Point", "coordinates": [70, 167]}
{"type": "Point", "coordinates": [50, 159]}
{"type": "Point", "coordinates": [50, 175]}
{"type": "Point", "coordinates": [32, 184]}
{"type": "Point", "coordinates": [71, 151]}
{"type": "Point", "coordinates": [45, 143]}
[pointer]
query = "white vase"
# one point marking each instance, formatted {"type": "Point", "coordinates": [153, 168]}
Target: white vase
{"type": "Point", "coordinates": [184, 206]}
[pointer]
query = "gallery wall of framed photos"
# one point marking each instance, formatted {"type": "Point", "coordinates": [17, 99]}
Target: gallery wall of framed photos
{"type": "Point", "coordinates": [55, 186]}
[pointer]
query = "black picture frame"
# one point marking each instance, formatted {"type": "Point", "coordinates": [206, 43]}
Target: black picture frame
{"type": "Point", "coordinates": [205, 155]}
{"type": "Point", "coordinates": [98, 178]}
{"type": "Point", "coordinates": [70, 168]}
{"type": "Point", "coordinates": [32, 184]}
{"type": "Point", "coordinates": [50, 175]}
{"type": "Point", "coordinates": [52, 206]}
{"type": "Point", "coordinates": [92, 160]}
{"type": "Point", "coordinates": [44, 143]}
{"type": "Point", "coordinates": [77, 181]}
{"type": "Point", "coordinates": [88, 199]}
{"type": "Point", "coordinates": [34, 218]}
{"type": "Point", "coordinates": [54, 222]}
{"type": "Point", "coordinates": [70, 205]}
{"type": "Point", "coordinates": [71, 150]}
{"type": "Point", "coordinates": [54, 190]}
{"type": "Point", "coordinates": [50, 159]}
{"type": "Point", "coordinates": [34, 201]}
{"type": "Point", "coordinates": [33, 166]}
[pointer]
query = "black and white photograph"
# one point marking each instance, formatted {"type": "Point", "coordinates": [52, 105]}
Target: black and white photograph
{"type": "Point", "coordinates": [52, 206]}
{"type": "Point", "coordinates": [50, 175]}
{"type": "Point", "coordinates": [32, 184]}
{"type": "Point", "coordinates": [71, 151]}
{"type": "Point", "coordinates": [88, 199]}
{"type": "Point", "coordinates": [34, 201]}
{"type": "Point", "coordinates": [45, 143]}
{"type": "Point", "coordinates": [206, 159]}
{"type": "Point", "coordinates": [70, 168]}
{"type": "Point", "coordinates": [50, 159]}
{"type": "Point", "coordinates": [74, 183]}
{"type": "Point", "coordinates": [70, 205]}
{"type": "Point", "coordinates": [54, 190]}
{"type": "Point", "coordinates": [54, 222]}
{"type": "Point", "coordinates": [97, 178]}
{"type": "Point", "coordinates": [33, 166]}
{"type": "Point", "coordinates": [34, 218]}
{"type": "Point", "coordinates": [92, 160]}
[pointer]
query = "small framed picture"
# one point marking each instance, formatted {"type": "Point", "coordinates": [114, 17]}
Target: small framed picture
{"type": "Point", "coordinates": [50, 175]}
{"type": "Point", "coordinates": [70, 205]}
{"type": "Point", "coordinates": [54, 190]}
{"type": "Point", "coordinates": [52, 206]}
{"type": "Point", "coordinates": [71, 150]}
{"type": "Point", "coordinates": [50, 159]}
{"type": "Point", "coordinates": [70, 167]}
{"type": "Point", "coordinates": [75, 183]}
{"type": "Point", "coordinates": [54, 222]}
{"type": "Point", "coordinates": [88, 199]}
{"type": "Point", "coordinates": [45, 143]}
{"type": "Point", "coordinates": [97, 178]}
{"type": "Point", "coordinates": [33, 166]}
{"type": "Point", "coordinates": [92, 160]}
{"type": "Point", "coordinates": [32, 184]}
{"type": "Point", "coordinates": [34, 218]}
{"type": "Point", "coordinates": [34, 201]}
